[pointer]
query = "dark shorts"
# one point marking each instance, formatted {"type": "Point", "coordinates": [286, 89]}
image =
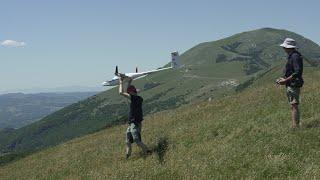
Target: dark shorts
{"type": "Point", "coordinates": [293, 95]}
{"type": "Point", "coordinates": [133, 133]}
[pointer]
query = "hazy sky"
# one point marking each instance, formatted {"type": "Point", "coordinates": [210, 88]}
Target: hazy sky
{"type": "Point", "coordinates": [60, 43]}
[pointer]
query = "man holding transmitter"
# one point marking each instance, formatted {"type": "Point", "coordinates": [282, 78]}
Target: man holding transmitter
{"type": "Point", "coordinates": [292, 78]}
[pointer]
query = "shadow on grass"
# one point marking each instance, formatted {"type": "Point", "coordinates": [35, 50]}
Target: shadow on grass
{"type": "Point", "coordinates": [313, 124]}
{"type": "Point", "coordinates": [161, 148]}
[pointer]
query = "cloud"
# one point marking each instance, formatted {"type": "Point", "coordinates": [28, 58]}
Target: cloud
{"type": "Point", "coordinates": [12, 43]}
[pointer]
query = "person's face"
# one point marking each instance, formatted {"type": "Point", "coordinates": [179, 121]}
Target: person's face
{"type": "Point", "coordinates": [288, 51]}
{"type": "Point", "coordinates": [131, 93]}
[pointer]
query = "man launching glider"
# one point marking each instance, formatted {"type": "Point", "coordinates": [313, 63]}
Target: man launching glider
{"type": "Point", "coordinates": [135, 119]}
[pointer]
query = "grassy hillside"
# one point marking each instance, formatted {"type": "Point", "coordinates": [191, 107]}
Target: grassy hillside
{"type": "Point", "coordinates": [246, 135]}
{"type": "Point", "coordinates": [208, 68]}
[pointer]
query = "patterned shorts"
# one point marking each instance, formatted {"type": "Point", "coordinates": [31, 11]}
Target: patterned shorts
{"type": "Point", "coordinates": [293, 95]}
{"type": "Point", "coordinates": [133, 133]}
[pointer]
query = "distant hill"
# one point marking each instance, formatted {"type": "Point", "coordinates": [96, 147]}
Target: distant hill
{"type": "Point", "coordinates": [211, 71]}
{"type": "Point", "coordinates": [18, 109]}
{"type": "Point", "coordinates": [242, 136]}
{"type": "Point", "coordinates": [63, 89]}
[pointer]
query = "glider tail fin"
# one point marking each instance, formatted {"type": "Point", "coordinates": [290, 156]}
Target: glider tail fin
{"type": "Point", "coordinates": [116, 72]}
{"type": "Point", "coordinates": [175, 60]}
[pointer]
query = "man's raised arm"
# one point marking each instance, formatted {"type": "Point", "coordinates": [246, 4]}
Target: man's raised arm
{"type": "Point", "coordinates": [121, 92]}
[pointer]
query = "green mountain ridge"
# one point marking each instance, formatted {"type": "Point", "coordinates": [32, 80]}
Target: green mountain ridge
{"type": "Point", "coordinates": [242, 136]}
{"type": "Point", "coordinates": [208, 68]}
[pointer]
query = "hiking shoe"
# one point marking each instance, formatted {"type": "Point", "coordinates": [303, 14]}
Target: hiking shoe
{"type": "Point", "coordinates": [127, 156]}
{"type": "Point", "coordinates": [149, 152]}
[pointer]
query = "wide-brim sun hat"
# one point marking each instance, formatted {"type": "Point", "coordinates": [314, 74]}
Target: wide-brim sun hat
{"type": "Point", "coordinates": [289, 43]}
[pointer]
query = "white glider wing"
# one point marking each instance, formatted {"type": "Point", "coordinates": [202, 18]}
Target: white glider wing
{"type": "Point", "coordinates": [175, 64]}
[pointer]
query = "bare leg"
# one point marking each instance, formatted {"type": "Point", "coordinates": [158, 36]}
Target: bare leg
{"type": "Point", "coordinates": [143, 146]}
{"type": "Point", "coordinates": [295, 114]}
{"type": "Point", "coordinates": [128, 149]}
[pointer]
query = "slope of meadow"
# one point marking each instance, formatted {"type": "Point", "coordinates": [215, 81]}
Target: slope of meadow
{"type": "Point", "coordinates": [244, 135]}
{"type": "Point", "coordinates": [207, 67]}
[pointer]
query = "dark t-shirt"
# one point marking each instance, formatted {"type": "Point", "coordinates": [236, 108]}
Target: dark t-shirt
{"type": "Point", "coordinates": [135, 114]}
{"type": "Point", "coordinates": [294, 67]}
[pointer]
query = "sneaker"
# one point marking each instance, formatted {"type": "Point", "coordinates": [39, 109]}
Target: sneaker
{"type": "Point", "coordinates": [127, 156]}
{"type": "Point", "coordinates": [148, 152]}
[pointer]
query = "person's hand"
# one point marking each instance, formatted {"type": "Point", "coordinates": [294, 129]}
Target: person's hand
{"type": "Point", "coordinates": [122, 76]}
{"type": "Point", "coordinates": [281, 81]}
